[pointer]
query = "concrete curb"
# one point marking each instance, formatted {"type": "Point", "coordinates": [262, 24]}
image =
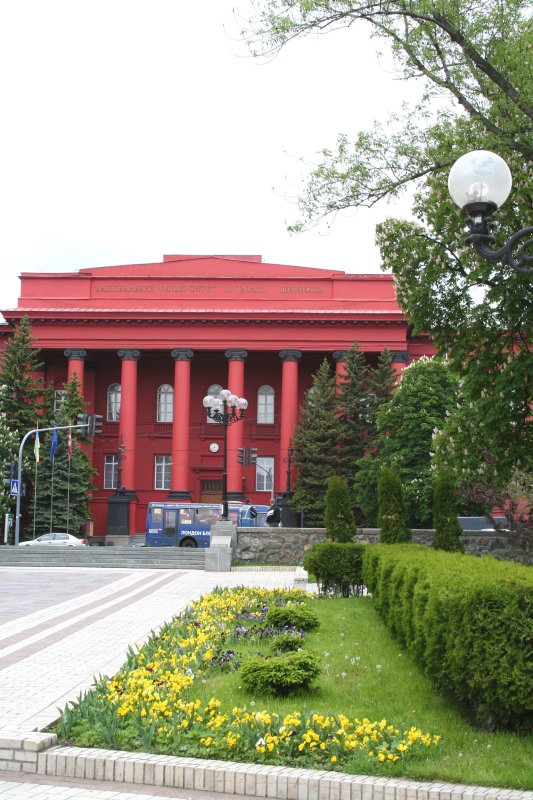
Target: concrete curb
{"type": "Point", "coordinates": [40, 754]}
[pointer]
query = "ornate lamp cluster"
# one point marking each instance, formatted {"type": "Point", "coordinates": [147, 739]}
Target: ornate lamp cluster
{"type": "Point", "coordinates": [480, 182]}
{"type": "Point", "coordinates": [225, 409]}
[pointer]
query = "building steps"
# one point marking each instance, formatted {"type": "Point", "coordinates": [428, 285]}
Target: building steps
{"type": "Point", "coordinates": [120, 557]}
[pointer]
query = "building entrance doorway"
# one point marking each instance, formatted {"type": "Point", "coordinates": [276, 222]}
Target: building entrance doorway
{"type": "Point", "coordinates": [210, 491]}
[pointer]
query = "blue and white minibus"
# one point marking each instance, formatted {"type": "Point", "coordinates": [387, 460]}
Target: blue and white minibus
{"type": "Point", "coordinates": [189, 524]}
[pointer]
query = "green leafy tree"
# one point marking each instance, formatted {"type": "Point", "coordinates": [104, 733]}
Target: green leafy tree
{"type": "Point", "coordinates": [427, 392]}
{"type": "Point", "coordinates": [338, 518]}
{"type": "Point", "coordinates": [392, 516]}
{"type": "Point", "coordinates": [479, 56]}
{"type": "Point", "coordinates": [64, 482]}
{"type": "Point", "coordinates": [315, 446]}
{"type": "Point", "coordinates": [448, 532]}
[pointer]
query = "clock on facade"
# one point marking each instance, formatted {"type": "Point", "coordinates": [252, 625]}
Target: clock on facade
{"type": "Point", "coordinates": [213, 447]}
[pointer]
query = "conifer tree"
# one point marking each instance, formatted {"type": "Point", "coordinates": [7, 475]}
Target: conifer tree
{"type": "Point", "coordinates": [382, 380]}
{"type": "Point", "coordinates": [338, 517]}
{"type": "Point", "coordinates": [392, 517]}
{"type": "Point", "coordinates": [64, 481]}
{"type": "Point", "coordinates": [355, 412]}
{"type": "Point", "coordinates": [24, 399]}
{"type": "Point", "coordinates": [448, 532]}
{"type": "Point", "coordinates": [9, 443]}
{"type": "Point", "coordinates": [315, 446]}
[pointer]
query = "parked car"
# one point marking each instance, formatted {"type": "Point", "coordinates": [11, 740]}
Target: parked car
{"type": "Point", "coordinates": [61, 539]}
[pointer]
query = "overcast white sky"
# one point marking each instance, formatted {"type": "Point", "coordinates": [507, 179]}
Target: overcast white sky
{"type": "Point", "coordinates": [134, 128]}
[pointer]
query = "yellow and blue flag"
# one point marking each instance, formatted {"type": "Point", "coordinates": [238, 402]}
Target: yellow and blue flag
{"type": "Point", "coordinates": [37, 446]}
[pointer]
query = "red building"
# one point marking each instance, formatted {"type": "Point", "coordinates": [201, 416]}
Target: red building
{"type": "Point", "coordinates": [149, 341]}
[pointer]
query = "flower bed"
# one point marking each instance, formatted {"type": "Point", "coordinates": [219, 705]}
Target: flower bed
{"type": "Point", "coordinates": [152, 703]}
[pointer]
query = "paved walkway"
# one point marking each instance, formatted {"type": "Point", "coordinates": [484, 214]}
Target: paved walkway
{"type": "Point", "coordinates": [61, 627]}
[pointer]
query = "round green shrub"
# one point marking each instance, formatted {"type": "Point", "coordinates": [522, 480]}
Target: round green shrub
{"type": "Point", "coordinates": [287, 641]}
{"type": "Point", "coordinates": [280, 675]}
{"type": "Point", "coordinates": [292, 616]}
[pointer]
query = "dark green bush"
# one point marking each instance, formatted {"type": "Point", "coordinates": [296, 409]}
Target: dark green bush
{"type": "Point", "coordinates": [337, 567]}
{"type": "Point", "coordinates": [448, 532]}
{"type": "Point", "coordinates": [280, 675]}
{"type": "Point", "coordinates": [338, 515]}
{"type": "Point", "coordinates": [293, 616]}
{"type": "Point", "coordinates": [392, 515]}
{"type": "Point", "coordinates": [467, 621]}
{"type": "Point", "coordinates": [287, 641]}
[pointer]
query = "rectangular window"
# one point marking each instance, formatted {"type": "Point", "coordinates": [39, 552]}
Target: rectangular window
{"type": "Point", "coordinates": [163, 466]}
{"type": "Point", "coordinates": [111, 472]}
{"type": "Point", "coordinates": [59, 398]}
{"type": "Point", "coordinates": [265, 409]}
{"type": "Point", "coordinates": [264, 474]}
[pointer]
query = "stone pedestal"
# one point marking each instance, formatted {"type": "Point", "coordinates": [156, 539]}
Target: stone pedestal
{"type": "Point", "coordinates": [118, 514]}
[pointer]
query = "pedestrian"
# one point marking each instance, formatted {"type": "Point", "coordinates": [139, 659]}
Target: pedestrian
{"type": "Point", "coordinates": [273, 517]}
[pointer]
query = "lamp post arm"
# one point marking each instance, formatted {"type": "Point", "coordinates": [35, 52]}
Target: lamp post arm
{"type": "Point", "coordinates": [481, 239]}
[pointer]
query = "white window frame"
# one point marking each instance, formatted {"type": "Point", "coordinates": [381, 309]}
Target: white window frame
{"type": "Point", "coordinates": [264, 474]}
{"type": "Point", "coordinates": [111, 471]}
{"type": "Point", "coordinates": [114, 394]}
{"type": "Point", "coordinates": [60, 395]}
{"type": "Point", "coordinates": [265, 405]}
{"type": "Point", "coordinates": [162, 472]}
{"type": "Point", "coordinates": [165, 403]}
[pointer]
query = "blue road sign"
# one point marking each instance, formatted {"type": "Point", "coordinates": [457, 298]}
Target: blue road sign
{"type": "Point", "coordinates": [14, 486]}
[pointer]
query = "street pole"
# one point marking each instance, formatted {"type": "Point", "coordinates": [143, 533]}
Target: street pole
{"type": "Point", "coordinates": [225, 466]}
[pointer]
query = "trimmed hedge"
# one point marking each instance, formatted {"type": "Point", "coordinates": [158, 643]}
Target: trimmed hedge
{"type": "Point", "coordinates": [467, 621]}
{"type": "Point", "coordinates": [337, 567]}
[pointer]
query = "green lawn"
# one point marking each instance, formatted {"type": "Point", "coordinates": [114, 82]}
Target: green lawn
{"type": "Point", "coordinates": [364, 674]}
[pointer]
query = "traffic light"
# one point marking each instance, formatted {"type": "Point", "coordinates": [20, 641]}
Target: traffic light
{"type": "Point", "coordinates": [9, 471]}
{"type": "Point", "coordinates": [95, 426]}
{"type": "Point", "coordinates": [252, 455]}
{"type": "Point", "coordinates": [83, 424]}
{"type": "Point", "coordinates": [241, 457]}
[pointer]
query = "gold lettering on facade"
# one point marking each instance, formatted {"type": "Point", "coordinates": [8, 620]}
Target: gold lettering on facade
{"type": "Point", "coordinates": [195, 287]}
{"type": "Point", "coordinates": [301, 290]}
{"type": "Point", "coordinates": [256, 289]}
{"type": "Point", "coordinates": [120, 288]}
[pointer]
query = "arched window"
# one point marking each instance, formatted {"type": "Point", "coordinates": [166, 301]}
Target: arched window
{"type": "Point", "coordinates": [214, 390]}
{"type": "Point", "coordinates": [113, 403]}
{"type": "Point", "coordinates": [165, 402]}
{"type": "Point", "coordinates": [265, 405]}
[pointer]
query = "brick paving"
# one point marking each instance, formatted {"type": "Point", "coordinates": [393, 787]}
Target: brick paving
{"type": "Point", "coordinates": [61, 627]}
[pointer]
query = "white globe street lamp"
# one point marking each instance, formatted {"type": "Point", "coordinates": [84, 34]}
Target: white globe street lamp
{"type": "Point", "coordinates": [480, 182]}
{"type": "Point", "coordinates": [225, 409]}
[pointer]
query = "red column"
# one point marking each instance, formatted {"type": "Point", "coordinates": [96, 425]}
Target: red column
{"type": "Point", "coordinates": [289, 411]}
{"type": "Point", "coordinates": [128, 416]}
{"type": "Point", "coordinates": [235, 433]}
{"type": "Point", "coordinates": [339, 356]}
{"type": "Point", "coordinates": [399, 362]}
{"type": "Point", "coordinates": [76, 365]}
{"type": "Point", "coordinates": [179, 482]}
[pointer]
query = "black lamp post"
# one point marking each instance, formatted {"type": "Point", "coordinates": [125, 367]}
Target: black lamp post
{"type": "Point", "coordinates": [225, 409]}
{"type": "Point", "coordinates": [289, 462]}
{"type": "Point", "coordinates": [480, 182]}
